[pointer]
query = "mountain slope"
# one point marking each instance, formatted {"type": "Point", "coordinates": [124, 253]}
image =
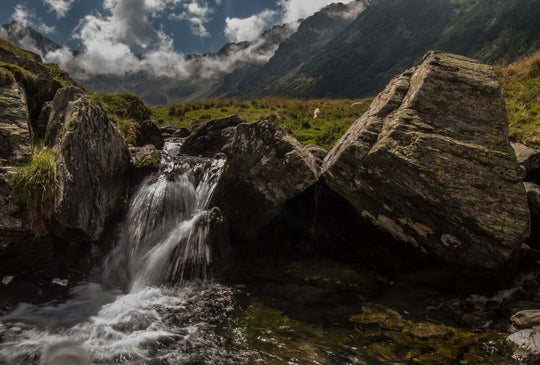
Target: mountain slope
{"type": "Point", "coordinates": [312, 34]}
{"type": "Point", "coordinates": [27, 38]}
{"type": "Point", "coordinates": [392, 35]}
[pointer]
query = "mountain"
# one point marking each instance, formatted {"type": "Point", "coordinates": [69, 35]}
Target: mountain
{"type": "Point", "coordinates": [207, 72]}
{"type": "Point", "coordinates": [27, 38]}
{"type": "Point", "coordinates": [312, 34]}
{"type": "Point", "coordinates": [348, 50]}
{"type": "Point", "coordinates": [392, 35]}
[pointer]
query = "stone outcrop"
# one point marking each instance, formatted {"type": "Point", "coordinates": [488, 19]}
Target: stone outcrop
{"type": "Point", "coordinates": [15, 150]}
{"type": "Point", "coordinates": [92, 159]}
{"type": "Point", "coordinates": [526, 318]}
{"type": "Point", "coordinates": [528, 159]}
{"type": "Point", "coordinates": [526, 345]}
{"type": "Point", "coordinates": [430, 162]}
{"type": "Point", "coordinates": [318, 152]}
{"type": "Point", "coordinates": [265, 168]}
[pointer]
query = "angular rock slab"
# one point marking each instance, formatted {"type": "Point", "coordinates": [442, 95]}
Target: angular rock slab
{"type": "Point", "coordinates": [430, 162]}
{"type": "Point", "coordinates": [93, 161]}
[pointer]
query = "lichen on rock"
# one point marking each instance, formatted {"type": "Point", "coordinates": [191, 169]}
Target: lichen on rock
{"type": "Point", "coordinates": [434, 148]}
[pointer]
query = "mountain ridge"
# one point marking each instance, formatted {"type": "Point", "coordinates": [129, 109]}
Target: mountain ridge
{"type": "Point", "coordinates": [343, 50]}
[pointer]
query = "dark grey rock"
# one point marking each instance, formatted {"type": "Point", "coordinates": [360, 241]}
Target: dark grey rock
{"type": "Point", "coordinates": [93, 161]}
{"type": "Point", "coordinates": [430, 162]}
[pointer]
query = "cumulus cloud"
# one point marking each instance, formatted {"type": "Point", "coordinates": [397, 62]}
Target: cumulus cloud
{"type": "Point", "coordinates": [248, 29]}
{"type": "Point", "coordinates": [124, 42]}
{"type": "Point", "coordinates": [160, 5]}
{"type": "Point", "coordinates": [60, 7]}
{"type": "Point", "coordinates": [197, 14]}
{"type": "Point", "coordinates": [27, 18]}
{"type": "Point", "coordinates": [293, 10]}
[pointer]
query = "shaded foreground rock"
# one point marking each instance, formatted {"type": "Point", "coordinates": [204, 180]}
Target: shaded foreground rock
{"type": "Point", "coordinates": [92, 159]}
{"type": "Point", "coordinates": [526, 345]}
{"type": "Point", "coordinates": [15, 149]}
{"type": "Point", "coordinates": [526, 318]}
{"type": "Point", "coordinates": [430, 162]}
{"type": "Point", "coordinates": [265, 168]}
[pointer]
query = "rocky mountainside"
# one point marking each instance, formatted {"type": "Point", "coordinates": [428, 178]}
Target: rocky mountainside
{"type": "Point", "coordinates": [342, 51]}
{"type": "Point", "coordinates": [27, 38]}
{"type": "Point", "coordinates": [392, 35]}
{"type": "Point", "coordinates": [310, 37]}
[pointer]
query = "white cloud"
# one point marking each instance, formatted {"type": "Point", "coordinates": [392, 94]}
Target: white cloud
{"type": "Point", "coordinates": [27, 18]}
{"type": "Point", "coordinates": [124, 42]}
{"type": "Point", "coordinates": [293, 10]}
{"type": "Point", "coordinates": [197, 13]}
{"type": "Point", "coordinates": [248, 29]}
{"type": "Point", "coordinates": [218, 2]}
{"type": "Point", "coordinates": [157, 6]}
{"type": "Point", "coordinates": [60, 7]}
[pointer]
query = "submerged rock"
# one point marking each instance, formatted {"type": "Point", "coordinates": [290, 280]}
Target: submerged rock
{"type": "Point", "coordinates": [430, 163]}
{"type": "Point", "coordinates": [92, 159]}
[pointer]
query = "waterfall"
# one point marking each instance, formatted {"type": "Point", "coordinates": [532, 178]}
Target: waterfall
{"type": "Point", "coordinates": [163, 241]}
{"type": "Point", "coordinates": [165, 235]}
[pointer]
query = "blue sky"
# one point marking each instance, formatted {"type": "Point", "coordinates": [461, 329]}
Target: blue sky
{"type": "Point", "coordinates": [127, 36]}
{"type": "Point", "coordinates": [197, 31]}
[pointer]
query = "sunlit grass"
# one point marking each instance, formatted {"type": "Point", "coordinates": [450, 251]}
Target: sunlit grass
{"type": "Point", "coordinates": [294, 115]}
{"type": "Point", "coordinates": [36, 184]}
{"type": "Point", "coordinates": [520, 84]}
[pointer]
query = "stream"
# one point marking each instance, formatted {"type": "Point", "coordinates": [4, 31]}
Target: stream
{"type": "Point", "coordinates": [156, 303]}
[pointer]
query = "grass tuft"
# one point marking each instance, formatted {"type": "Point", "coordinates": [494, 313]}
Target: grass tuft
{"type": "Point", "coordinates": [36, 184]}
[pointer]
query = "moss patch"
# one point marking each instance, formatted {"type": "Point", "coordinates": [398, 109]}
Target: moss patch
{"type": "Point", "coordinates": [126, 110]}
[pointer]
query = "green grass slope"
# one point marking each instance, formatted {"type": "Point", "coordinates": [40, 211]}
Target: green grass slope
{"type": "Point", "coordinates": [520, 83]}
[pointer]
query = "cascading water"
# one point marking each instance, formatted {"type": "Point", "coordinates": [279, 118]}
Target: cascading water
{"type": "Point", "coordinates": [163, 242]}
{"type": "Point", "coordinates": [164, 238]}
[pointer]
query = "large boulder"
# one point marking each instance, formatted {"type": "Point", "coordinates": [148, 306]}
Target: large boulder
{"type": "Point", "coordinates": [92, 159]}
{"type": "Point", "coordinates": [430, 163]}
{"type": "Point", "coordinates": [265, 167]}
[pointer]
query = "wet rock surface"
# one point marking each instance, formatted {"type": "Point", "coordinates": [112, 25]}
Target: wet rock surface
{"type": "Point", "coordinates": [431, 163]}
{"type": "Point", "coordinates": [145, 157]}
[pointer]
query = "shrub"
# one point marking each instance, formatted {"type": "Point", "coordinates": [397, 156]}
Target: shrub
{"type": "Point", "coordinates": [36, 184]}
